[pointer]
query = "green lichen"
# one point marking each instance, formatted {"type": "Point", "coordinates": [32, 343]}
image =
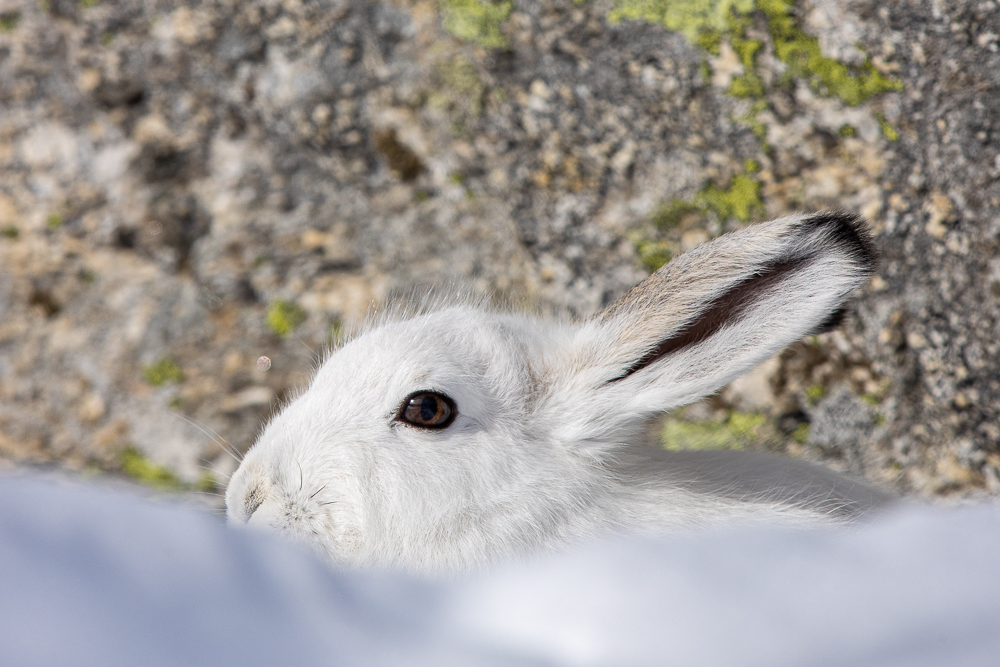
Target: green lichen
{"type": "Point", "coordinates": [477, 21]}
{"type": "Point", "coordinates": [53, 221]}
{"type": "Point", "coordinates": [871, 399]}
{"type": "Point", "coordinates": [815, 393]}
{"type": "Point", "coordinates": [135, 464]}
{"type": "Point", "coordinates": [801, 52]}
{"type": "Point", "coordinates": [10, 232]}
{"type": "Point", "coordinates": [801, 434]}
{"type": "Point", "coordinates": [709, 22]}
{"type": "Point", "coordinates": [692, 18]}
{"type": "Point", "coordinates": [756, 126]}
{"type": "Point", "coordinates": [163, 372]}
{"type": "Point", "coordinates": [653, 254]}
{"type": "Point", "coordinates": [740, 200]}
{"type": "Point", "coordinates": [847, 130]}
{"type": "Point", "coordinates": [87, 4]}
{"type": "Point", "coordinates": [888, 131]}
{"type": "Point", "coordinates": [748, 84]}
{"type": "Point", "coordinates": [461, 90]}
{"type": "Point", "coordinates": [738, 431]}
{"type": "Point", "coordinates": [284, 317]}
{"type": "Point", "coordinates": [675, 212]}
{"type": "Point", "coordinates": [9, 21]}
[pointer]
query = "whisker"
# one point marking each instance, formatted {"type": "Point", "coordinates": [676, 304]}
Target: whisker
{"type": "Point", "coordinates": [314, 355]}
{"type": "Point", "coordinates": [214, 473]}
{"type": "Point", "coordinates": [300, 474]}
{"type": "Point", "coordinates": [317, 491]}
{"type": "Point", "coordinates": [209, 493]}
{"type": "Point", "coordinates": [212, 435]}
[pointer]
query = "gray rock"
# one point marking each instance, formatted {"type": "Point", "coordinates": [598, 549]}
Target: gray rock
{"type": "Point", "coordinates": [172, 172]}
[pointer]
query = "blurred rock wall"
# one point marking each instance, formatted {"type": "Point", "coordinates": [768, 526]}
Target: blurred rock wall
{"type": "Point", "coordinates": [187, 188]}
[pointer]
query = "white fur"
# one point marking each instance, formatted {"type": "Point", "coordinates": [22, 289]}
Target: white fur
{"type": "Point", "coordinates": [545, 446]}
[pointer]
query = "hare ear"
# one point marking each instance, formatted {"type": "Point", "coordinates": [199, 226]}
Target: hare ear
{"type": "Point", "coordinates": [717, 311]}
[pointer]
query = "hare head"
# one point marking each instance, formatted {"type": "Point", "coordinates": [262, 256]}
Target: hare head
{"type": "Point", "coordinates": [456, 436]}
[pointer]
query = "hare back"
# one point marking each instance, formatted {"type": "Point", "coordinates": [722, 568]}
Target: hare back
{"type": "Point", "coordinates": [736, 480]}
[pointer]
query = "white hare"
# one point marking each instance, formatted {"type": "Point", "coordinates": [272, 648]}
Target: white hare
{"type": "Point", "coordinates": [459, 436]}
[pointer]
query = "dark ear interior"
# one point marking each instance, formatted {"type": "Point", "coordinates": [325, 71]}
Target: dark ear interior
{"type": "Point", "coordinates": [719, 312]}
{"type": "Point", "coordinates": [840, 230]}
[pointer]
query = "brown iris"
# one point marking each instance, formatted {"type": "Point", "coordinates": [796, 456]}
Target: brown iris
{"type": "Point", "coordinates": [427, 409]}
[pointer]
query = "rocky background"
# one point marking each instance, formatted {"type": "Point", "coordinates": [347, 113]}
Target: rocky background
{"type": "Point", "coordinates": [196, 198]}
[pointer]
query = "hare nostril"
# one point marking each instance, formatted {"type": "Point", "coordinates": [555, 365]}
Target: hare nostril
{"type": "Point", "coordinates": [255, 498]}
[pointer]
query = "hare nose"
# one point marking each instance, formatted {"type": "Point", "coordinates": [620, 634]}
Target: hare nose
{"type": "Point", "coordinates": [255, 497]}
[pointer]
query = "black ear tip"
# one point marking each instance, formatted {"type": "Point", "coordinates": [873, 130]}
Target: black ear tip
{"type": "Point", "coordinates": [850, 232]}
{"type": "Point", "coordinates": [834, 320]}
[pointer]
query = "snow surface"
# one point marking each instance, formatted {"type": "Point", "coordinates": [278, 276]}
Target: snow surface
{"type": "Point", "coordinates": [90, 576]}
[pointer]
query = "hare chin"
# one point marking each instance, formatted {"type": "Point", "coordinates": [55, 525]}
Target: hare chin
{"type": "Point", "coordinates": [542, 445]}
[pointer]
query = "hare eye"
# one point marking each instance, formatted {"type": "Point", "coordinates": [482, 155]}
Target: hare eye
{"type": "Point", "coordinates": [427, 410]}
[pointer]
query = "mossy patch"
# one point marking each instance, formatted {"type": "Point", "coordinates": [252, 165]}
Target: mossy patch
{"type": "Point", "coordinates": [888, 131]}
{"type": "Point", "coordinates": [695, 19]}
{"type": "Point", "coordinates": [54, 221]}
{"type": "Point", "coordinates": [654, 254]}
{"type": "Point", "coordinates": [164, 371]}
{"type": "Point", "coordinates": [675, 213]}
{"type": "Point", "coordinates": [815, 393]}
{"type": "Point", "coordinates": [461, 89]}
{"type": "Point", "coordinates": [756, 126]}
{"type": "Point", "coordinates": [477, 21]}
{"type": "Point", "coordinates": [748, 84]}
{"type": "Point", "coordinates": [10, 232]}
{"type": "Point", "coordinates": [740, 200]}
{"type": "Point", "coordinates": [135, 464]}
{"type": "Point", "coordinates": [284, 317]}
{"type": "Point", "coordinates": [738, 431]}
{"type": "Point", "coordinates": [801, 52]}
{"type": "Point", "coordinates": [801, 434]}
{"type": "Point", "coordinates": [709, 22]}
{"type": "Point", "coordinates": [9, 21]}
